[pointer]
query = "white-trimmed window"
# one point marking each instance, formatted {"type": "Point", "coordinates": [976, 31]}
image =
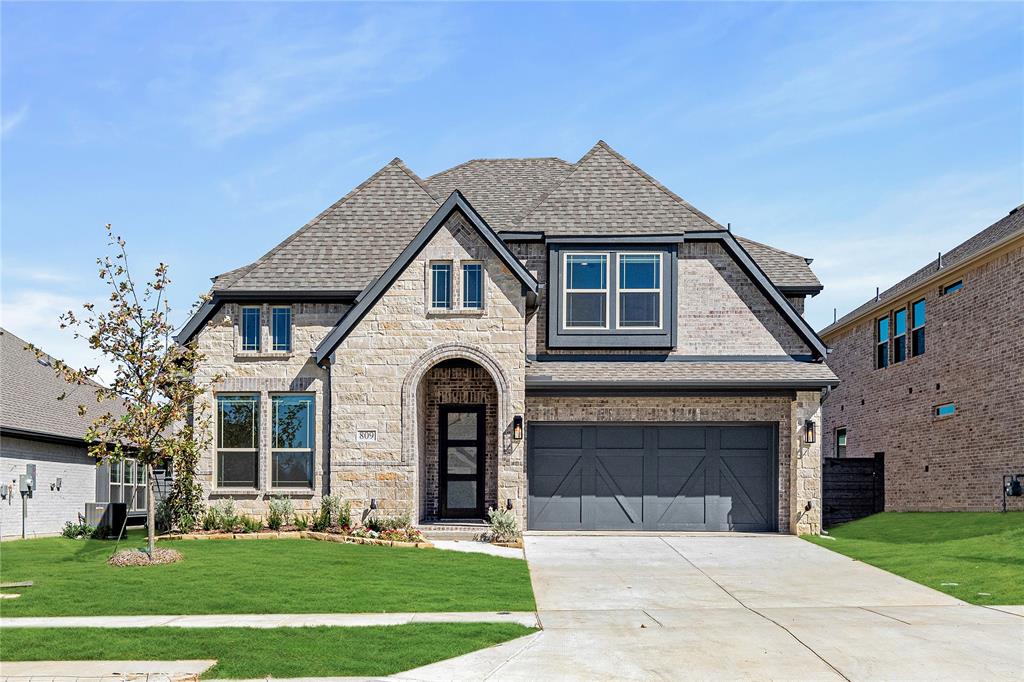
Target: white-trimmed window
{"type": "Point", "coordinates": [441, 285]}
{"type": "Point", "coordinates": [249, 328]}
{"type": "Point", "coordinates": [472, 285]}
{"type": "Point", "coordinates": [585, 291]}
{"type": "Point", "coordinates": [639, 291]}
{"type": "Point", "coordinates": [238, 439]}
{"type": "Point", "coordinates": [128, 484]}
{"type": "Point", "coordinates": [281, 328]}
{"type": "Point", "coordinates": [291, 441]}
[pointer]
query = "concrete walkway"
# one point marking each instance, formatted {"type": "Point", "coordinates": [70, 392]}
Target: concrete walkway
{"type": "Point", "coordinates": [97, 671]}
{"type": "Point", "coordinates": [741, 607]}
{"type": "Point", "coordinates": [282, 620]}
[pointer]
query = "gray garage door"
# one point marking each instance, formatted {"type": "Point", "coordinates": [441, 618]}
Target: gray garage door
{"type": "Point", "coordinates": [651, 477]}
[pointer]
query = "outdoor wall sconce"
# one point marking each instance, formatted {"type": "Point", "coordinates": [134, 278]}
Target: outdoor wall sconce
{"type": "Point", "coordinates": [517, 427]}
{"type": "Point", "coordinates": [508, 504]}
{"type": "Point", "coordinates": [373, 503]}
{"type": "Point", "coordinates": [809, 506]}
{"type": "Point", "coordinates": [809, 431]}
{"type": "Point", "coordinates": [55, 485]}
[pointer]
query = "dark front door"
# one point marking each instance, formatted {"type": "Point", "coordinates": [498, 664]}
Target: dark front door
{"type": "Point", "coordinates": [652, 477]}
{"type": "Point", "coordinates": [462, 459]}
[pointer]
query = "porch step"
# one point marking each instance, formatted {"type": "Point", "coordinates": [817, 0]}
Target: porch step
{"type": "Point", "coordinates": [452, 530]}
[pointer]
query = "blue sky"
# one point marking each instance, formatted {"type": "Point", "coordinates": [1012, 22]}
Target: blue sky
{"type": "Point", "coordinates": [866, 136]}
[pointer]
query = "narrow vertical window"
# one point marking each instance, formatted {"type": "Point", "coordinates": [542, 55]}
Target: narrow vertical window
{"type": "Point", "coordinates": [472, 285]}
{"type": "Point", "coordinates": [281, 328]}
{"type": "Point", "coordinates": [841, 442]}
{"type": "Point", "coordinates": [899, 335]}
{"type": "Point", "coordinates": [250, 328]}
{"type": "Point", "coordinates": [440, 285]}
{"type": "Point", "coordinates": [639, 288]}
{"type": "Point", "coordinates": [586, 291]}
{"type": "Point", "coordinates": [292, 441]}
{"type": "Point", "coordinates": [882, 342]}
{"type": "Point", "coordinates": [917, 317]}
{"type": "Point", "coordinates": [238, 429]}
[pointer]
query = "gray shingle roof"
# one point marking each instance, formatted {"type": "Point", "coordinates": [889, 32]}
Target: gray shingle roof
{"type": "Point", "coordinates": [607, 194]}
{"type": "Point", "coordinates": [784, 269]}
{"type": "Point", "coordinates": [349, 244]}
{"type": "Point", "coordinates": [501, 190]}
{"type": "Point", "coordinates": [1005, 228]}
{"type": "Point", "coordinates": [725, 373]}
{"type": "Point", "coordinates": [29, 392]}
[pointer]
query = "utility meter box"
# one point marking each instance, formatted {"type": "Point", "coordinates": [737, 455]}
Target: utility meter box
{"type": "Point", "coordinates": [27, 481]}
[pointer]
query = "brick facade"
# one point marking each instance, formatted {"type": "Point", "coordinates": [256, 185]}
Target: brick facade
{"type": "Point", "coordinates": [974, 358]}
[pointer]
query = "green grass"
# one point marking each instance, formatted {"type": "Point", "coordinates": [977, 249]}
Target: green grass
{"type": "Point", "coordinates": [72, 578]}
{"type": "Point", "coordinates": [255, 653]}
{"type": "Point", "coordinates": [982, 552]}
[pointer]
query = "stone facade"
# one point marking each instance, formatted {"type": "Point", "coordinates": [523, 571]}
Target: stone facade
{"type": "Point", "coordinates": [799, 464]}
{"type": "Point", "coordinates": [48, 509]}
{"type": "Point", "coordinates": [974, 358]}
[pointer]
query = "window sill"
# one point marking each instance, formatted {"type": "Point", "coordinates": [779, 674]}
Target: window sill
{"type": "Point", "coordinates": [455, 312]}
{"type": "Point", "coordinates": [264, 355]}
{"type": "Point", "coordinates": [297, 492]}
{"type": "Point", "coordinates": [235, 491]}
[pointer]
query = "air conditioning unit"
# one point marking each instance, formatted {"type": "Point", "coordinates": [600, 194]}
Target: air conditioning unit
{"type": "Point", "coordinates": [109, 517]}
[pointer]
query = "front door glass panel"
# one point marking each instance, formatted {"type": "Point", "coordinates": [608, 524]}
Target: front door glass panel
{"type": "Point", "coordinates": [461, 453]}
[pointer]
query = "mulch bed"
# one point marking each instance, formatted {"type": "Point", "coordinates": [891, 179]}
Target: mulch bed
{"type": "Point", "coordinates": [137, 557]}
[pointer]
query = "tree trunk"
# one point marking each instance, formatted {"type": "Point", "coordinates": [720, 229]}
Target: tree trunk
{"type": "Point", "coordinates": [150, 511]}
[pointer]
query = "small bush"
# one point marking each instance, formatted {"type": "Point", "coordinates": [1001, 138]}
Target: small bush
{"type": "Point", "coordinates": [73, 530]}
{"type": "Point", "coordinates": [281, 510]}
{"type": "Point", "coordinates": [248, 524]}
{"type": "Point", "coordinates": [163, 516]}
{"type": "Point", "coordinates": [327, 514]}
{"type": "Point", "coordinates": [504, 525]}
{"type": "Point", "coordinates": [345, 515]}
{"type": "Point", "coordinates": [210, 520]}
{"type": "Point", "coordinates": [186, 523]}
{"type": "Point", "coordinates": [382, 522]}
{"type": "Point", "coordinates": [223, 516]}
{"type": "Point", "coordinates": [302, 521]}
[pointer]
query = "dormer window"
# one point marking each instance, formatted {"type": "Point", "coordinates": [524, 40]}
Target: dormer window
{"type": "Point", "coordinates": [441, 285]}
{"type": "Point", "coordinates": [612, 298]}
{"type": "Point", "coordinates": [250, 328]}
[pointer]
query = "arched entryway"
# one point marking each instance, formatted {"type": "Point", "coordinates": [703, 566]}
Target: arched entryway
{"type": "Point", "coordinates": [454, 425]}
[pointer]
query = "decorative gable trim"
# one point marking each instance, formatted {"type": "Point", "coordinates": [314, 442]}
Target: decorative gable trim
{"type": "Point", "coordinates": [369, 296]}
{"type": "Point", "coordinates": [757, 275]}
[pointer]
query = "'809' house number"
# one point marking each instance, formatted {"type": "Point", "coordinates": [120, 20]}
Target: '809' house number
{"type": "Point", "coordinates": [366, 436]}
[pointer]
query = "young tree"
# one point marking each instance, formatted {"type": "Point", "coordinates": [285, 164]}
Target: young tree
{"type": "Point", "coordinates": [153, 375]}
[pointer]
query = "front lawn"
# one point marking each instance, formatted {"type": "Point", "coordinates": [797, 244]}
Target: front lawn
{"type": "Point", "coordinates": [72, 578]}
{"type": "Point", "coordinates": [247, 653]}
{"type": "Point", "coordinates": [974, 556]}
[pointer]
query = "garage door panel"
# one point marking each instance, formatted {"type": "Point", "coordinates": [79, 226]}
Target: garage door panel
{"type": "Point", "coordinates": [651, 477]}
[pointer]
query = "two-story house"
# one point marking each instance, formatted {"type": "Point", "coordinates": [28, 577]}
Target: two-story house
{"type": "Point", "coordinates": [572, 341]}
{"type": "Point", "coordinates": [932, 374]}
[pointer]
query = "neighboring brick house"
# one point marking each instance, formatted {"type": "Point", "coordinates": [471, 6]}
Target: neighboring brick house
{"type": "Point", "coordinates": [571, 341]}
{"type": "Point", "coordinates": [37, 428]}
{"type": "Point", "coordinates": [932, 376]}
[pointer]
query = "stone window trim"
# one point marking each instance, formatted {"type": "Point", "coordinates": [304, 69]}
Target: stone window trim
{"type": "Point", "coordinates": [455, 293]}
{"type": "Point", "coordinates": [266, 344]}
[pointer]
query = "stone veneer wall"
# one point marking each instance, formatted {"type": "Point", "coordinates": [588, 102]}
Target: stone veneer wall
{"type": "Point", "coordinates": [799, 463]}
{"type": "Point", "coordinates": [974, 357]}
{"type": "Point", "coordinates": [266, 373]}
{"type": "Point", "coordinates": [378, 372]}
{"type": "Point", "coordinates": [720, 310]}
{"type": "Point", "coordinates": [457, 386]}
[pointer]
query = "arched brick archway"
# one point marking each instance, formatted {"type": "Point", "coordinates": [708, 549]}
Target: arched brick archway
{"type": "Point", "coordinates": [415, 417]}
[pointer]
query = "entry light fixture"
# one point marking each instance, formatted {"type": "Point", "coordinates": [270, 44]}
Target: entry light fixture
{"type": "Point", "coordinates": [809, 431]}
{"type": "Point", "coordinates": [517, 427]}
{"type": "Point", "coordinates": [508, 504]}
{"type": "Point", "coordinates": [373, 503]}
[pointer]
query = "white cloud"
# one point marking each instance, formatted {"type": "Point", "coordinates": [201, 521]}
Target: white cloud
{"type": "Point", "coordinates": [11, 121]}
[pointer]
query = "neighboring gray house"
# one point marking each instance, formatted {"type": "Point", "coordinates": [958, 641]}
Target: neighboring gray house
{"type": "Point", "coordinates": [572, 341]}
{"type": "Point", "coordinates": [37, 428]}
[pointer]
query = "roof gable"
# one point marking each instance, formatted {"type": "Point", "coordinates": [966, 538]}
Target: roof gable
{"type": "Point", "coordinates": [786, 270]}
{"type": "Point", "coordinates": [369, 297]}
{"type": "Point", "coordinates": [607, 194]}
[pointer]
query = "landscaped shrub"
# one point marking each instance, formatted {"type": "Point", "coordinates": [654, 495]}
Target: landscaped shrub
{"type": "Point", "coordinates": [248, 523]}
{"type": "Point", "coordinates": [504, 525]}
{"type": "Point", "coordinates": [345, 515]}
{"type": "Point", "coordinates": [327, 514]}
{"type": "Point", "coordinates": [74, 531]}
{"type": "Point", "coordinates": [224, 517]}
{"type": "Point", "coordinates": [383, 522]}
{"type": "Point", "coordinates": [281, 510]}
{"type": "Point", "coordinates": [302, 521]}
{"type": "Point", "coordinates": [210, 520]}
{"type": "Point", "coordinates": [186, 523]}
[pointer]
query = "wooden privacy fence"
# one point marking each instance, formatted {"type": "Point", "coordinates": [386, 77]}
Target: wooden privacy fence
{"type": "Point", "coordinates": [852, 488]}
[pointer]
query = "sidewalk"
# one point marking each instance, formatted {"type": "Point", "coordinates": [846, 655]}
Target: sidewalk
{"type": "Point", "coordinates": [282, 620]}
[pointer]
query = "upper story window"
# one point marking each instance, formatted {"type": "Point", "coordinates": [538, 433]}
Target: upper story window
{"type": "Point", "coordinates": [291, 443]}
{"type": "Point", "coordinates": [586, 290]}
{"type": "Point", "coordinates": [250, 328]}
{"type": "Point", "coordinates": [917, 316]}
{"type": "Point", "coordinates": [472, 285]}
{"type": "Point", "coordinates": [238, 428]}
{"type": "Point", "coordinates": [882, 342]}
{"type": "Point", "coordinates": [441, 285]}
{"type": "Point", "coordinates": [841, 442]}
{"type": "Point", "coordinates": [945, 410]}
{"type": "Point", "coordinates": [953, 287]}
{"type": "Point", "coordinates": [622, 297]}
{"type": "Point", "coordinates": [899, 335]}
{"type": "Point", "coordinates": [281, 328]}
{"type": "Point", "coordinates": [640, 290]}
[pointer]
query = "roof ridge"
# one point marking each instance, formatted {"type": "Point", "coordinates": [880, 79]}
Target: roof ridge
{"type": "Point", "coordinates": [395, 162]}
{"type": "Point", "coordinates": [645, 175]}
{"type": "Point", "coordinates": [24, 345]}
{"type": "Point", "coordinates": [770, 247]}
{"type": "Point", "coordinates": [417, 179]}
{"type": "Point", "coordinates": [544, 197]}
{"type": "Point", "coordinates": [497, 158]}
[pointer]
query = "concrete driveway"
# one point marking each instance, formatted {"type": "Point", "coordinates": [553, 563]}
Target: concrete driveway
{"type": "Point", "coordinates": [737, 607]}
